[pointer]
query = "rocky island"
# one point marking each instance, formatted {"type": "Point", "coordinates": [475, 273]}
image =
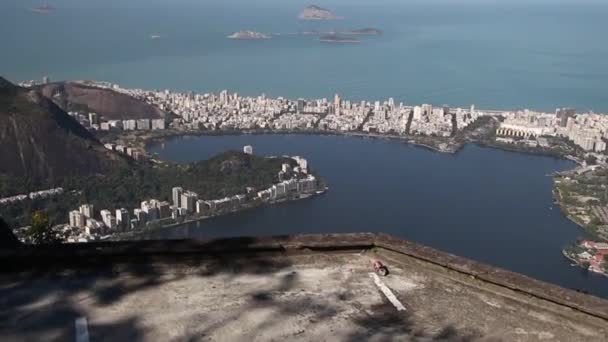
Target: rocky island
{"type": "Point", "coordinates": [338, 39]}
{"type": "Point", "coordinates": [248, 35]}
{"type": "Point", "coordinates": [43, 9]}
{"type": "Point", "coordinates": [314, 12]}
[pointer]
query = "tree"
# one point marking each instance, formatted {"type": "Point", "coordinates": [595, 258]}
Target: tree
{"type": "Point", "coordinates": [41, 231]}
{"type": "Point", "coordinates": [591, 160]}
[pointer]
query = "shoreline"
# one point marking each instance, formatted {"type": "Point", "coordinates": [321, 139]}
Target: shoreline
{"type": "Point", "coordinates": [409, 140]}
{"type": "Point", "coordinates": [139, 231]}
{"type": "Point", "coordinates": [578, 264]}
{"type": "Point", "coordinates": [455, 145]}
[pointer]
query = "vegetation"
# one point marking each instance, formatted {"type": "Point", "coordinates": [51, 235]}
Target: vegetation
{"type": "Point", "coordinates": [41, 230]}
{"type": "Point", "coordinates": [226, 174]}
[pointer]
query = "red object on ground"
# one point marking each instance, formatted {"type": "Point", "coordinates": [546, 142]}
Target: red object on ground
{"type": "Point", "coordinates": [380, 268]}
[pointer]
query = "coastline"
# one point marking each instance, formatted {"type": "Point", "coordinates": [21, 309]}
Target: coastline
{"type": "Point", "coordinates": [452, 145]}
{"type": "Point", "coordinates": [578, 264]}
{"type": "Point", "coordinates": [253, 205]}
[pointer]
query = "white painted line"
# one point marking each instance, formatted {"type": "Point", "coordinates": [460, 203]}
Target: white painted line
{"type": "Point", "coordinates": [387, 292]}
{"type": "Point", "coordinates": [82, 332]}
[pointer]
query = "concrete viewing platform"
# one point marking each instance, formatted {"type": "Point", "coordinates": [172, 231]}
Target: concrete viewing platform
{"type": "Point", "coordinates": [285, 288]}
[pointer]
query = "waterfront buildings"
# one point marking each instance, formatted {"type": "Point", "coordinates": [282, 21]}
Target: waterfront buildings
{"type": "Point", "coordinates": [176, 195]}
{"type": "Point", "coordinates": [87, 210]}
{"type": "Point", "coordinates": [188, 201]}
{"type": "Point", "coordinates": [294, 182]}
{"type": "Point", "coordinates": [587, 131]}
{"type": "Point", "coordinates": [77, 219]}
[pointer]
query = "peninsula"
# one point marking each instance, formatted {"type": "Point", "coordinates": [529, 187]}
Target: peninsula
{"type": "Point", "coordinates": [48, 146]}
{"type": "Point", "coordinates": [248, 35]}
{"type": "Point", "coordinates": [314, 12]}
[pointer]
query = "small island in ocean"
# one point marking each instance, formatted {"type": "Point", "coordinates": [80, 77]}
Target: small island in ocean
{"type": "Point", "coordinates": [314, 12]}
{"type": "Point", "coordinates": [248, 35]}
{"type": "Point", "coordinates": [368, 31]}
{"type": "Point", "coordinates": [43, 9]}
{"type": "Point", "coordinates": [338, 39]}
{"type": "Point", "coordinates": [357, 32]}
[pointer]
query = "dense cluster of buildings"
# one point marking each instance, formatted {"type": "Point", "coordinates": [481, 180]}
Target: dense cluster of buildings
{"type": "Point", "coordinates": [229, 111]}
{"type": "Point", "coordinates": [96, 122]}
{"type": "Point", "coordinates": [595, 254]}
{"type": "Point", "coordinates": [126, 150]}
{"type": "Point", "coordinates": [85, 225]}
{"type": "Point", "coordinates": [32, 196]}
{"type": "Point", "coordinates": [589, 131]}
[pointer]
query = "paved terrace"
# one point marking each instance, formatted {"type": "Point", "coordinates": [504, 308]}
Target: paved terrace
{"type": "Point", "coordinates": [297, 288]}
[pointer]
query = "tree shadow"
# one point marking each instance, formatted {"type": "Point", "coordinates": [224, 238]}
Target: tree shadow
{"type": "Point", "coordinates": [43, 288]}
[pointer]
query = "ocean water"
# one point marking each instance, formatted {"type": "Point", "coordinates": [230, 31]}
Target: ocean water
{"type": "Point", "coordinates": [534, 54]}
{"type": "Point", "coordinates": [485, 204]}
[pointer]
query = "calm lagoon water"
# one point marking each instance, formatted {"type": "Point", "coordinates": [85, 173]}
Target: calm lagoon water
{"type": "Point", "coordinates": [485, 204]}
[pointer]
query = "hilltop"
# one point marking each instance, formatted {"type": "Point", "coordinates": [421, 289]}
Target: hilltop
{"type": "Point", "coordinates": [42, 144]}
{"type": "Point", "coordinates": [72, 96]}
{"type": "Point", "coordinates": [44, 147]}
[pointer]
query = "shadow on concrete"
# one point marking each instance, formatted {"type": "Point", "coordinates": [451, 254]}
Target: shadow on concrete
{"type": "Point", "coordinates": [44, 289]}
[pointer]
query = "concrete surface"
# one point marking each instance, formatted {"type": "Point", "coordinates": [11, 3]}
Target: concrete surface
{"type": "Point", "coordinates": [307, 296]}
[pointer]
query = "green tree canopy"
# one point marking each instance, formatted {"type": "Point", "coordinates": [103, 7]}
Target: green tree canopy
{"type": "Point", "coordinates": [41, 231]}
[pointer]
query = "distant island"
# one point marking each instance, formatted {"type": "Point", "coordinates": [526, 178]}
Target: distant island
{"type": "Point", "coordinates": [368, 31]}
{"type": "Point", "coordinates": [357, 32]}
{"type": "Point", "coordinates": [43, 9]}
{"type": "Point", "coordinates": [338, 39]}
{"type": "Point", "coordinates": [248, 35]}
{"type": "Point", "coordinates": [314, 12]}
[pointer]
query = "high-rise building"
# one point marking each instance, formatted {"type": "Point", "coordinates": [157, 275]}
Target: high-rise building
{"type": "Point", "coordinates": [158, 124]}
{"type": "Point", "coordinates": [122, 218]}
{"type": "Point", "coordinates": [188, 201]}
{"type": "Point", "coordinates": [46, 80]}
{"type": "Point", "coordinates": [437, 113]}
{"type": "Point", "coordinates": [563, 114]}
{"type": "Point", "coordinates": [77, 219]}
{"type": "Point", "coordinates": [87, 210]}
{"type": "Point", "coordinates": [149, 207]}
{"type": "Point", "coordinates": [446, 109]}
{"type": "Point", "coordinates": [177, 195]}
{"type": "Point", "coordinates": [143, 124]}
{"type": "Point", "coordinates": [417, 113]}
{"type": "Point", "coordinates": [140, 215]}
{"type": "Point", "coordinates": [164, 209]}
{"type": "Point", "coordinates": [302, 163]}
{"type": "Point", "coordinates": [93, 119]}
{"type": "Point", "coordinates": [600, 146]}
{"type": "Point", "coordinates": [427, 110]}
{"type": "Point", "coordinates": [108, 219]}
{"type": "Point", "coordinates": [300, 105]}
